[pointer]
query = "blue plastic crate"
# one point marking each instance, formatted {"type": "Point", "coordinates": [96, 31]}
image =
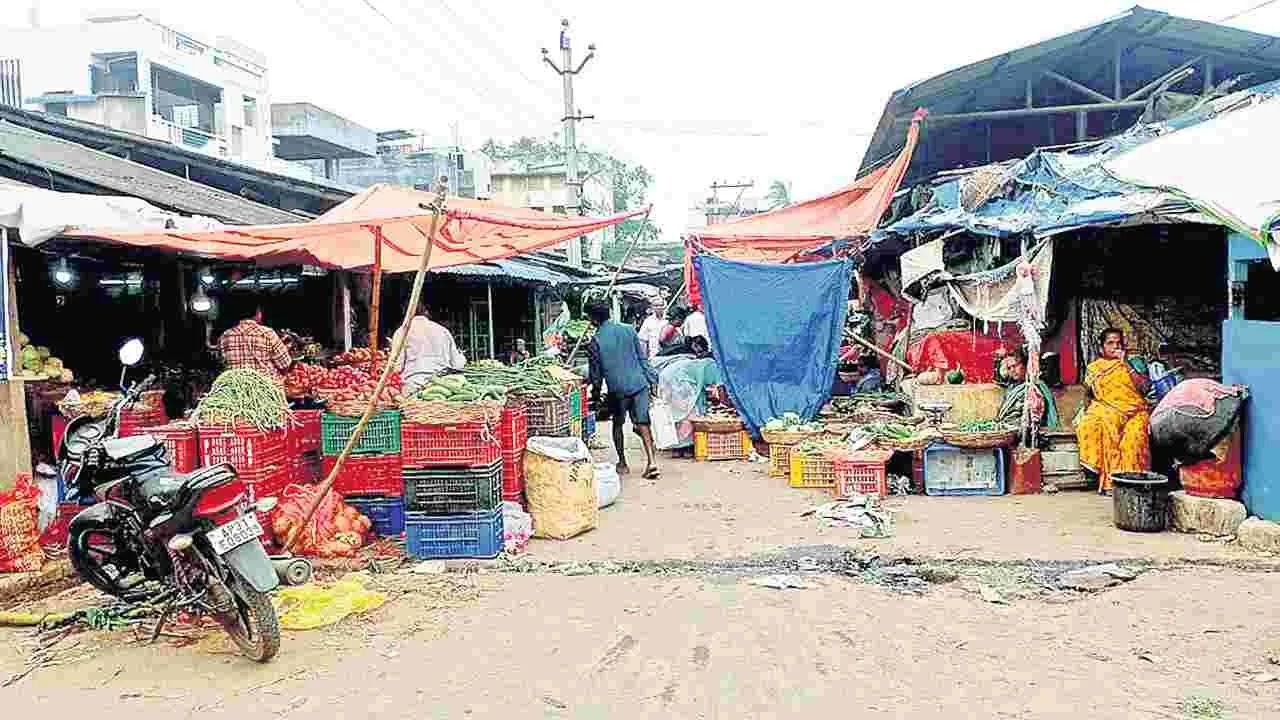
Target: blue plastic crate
{"type": "Point", "coordinates": [386, 513]}
{"type": "Point", "coordinates": [588, 425]}
{"type": "Point", "coordinates": [441, 537]}
{"type": "Point", "coordinates": [949, 470]}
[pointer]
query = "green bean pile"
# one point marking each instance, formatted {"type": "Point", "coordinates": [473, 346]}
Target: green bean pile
{"type": "Point", "coordinates": [527, 380]}
{"type": "Point", "coordinates": [243, 396]}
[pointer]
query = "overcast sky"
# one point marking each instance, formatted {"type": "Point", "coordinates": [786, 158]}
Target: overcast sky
{"type": "Point", "coordinates": [696, 90]}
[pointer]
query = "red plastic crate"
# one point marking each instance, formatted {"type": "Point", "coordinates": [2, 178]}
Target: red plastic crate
{"type": "Point", "coordinates": [513, 428]}
{"type": "Point", "coordinates": [303, 435]}
{"type": "Point", "coordinates": [862, 473]}
{"type": "Point", "coordinates": [255, 454]}
{"type": "Point", "coordinates": [513, 473]}
{"type": "Point", "coordinates": [466, 445]}
{"type": "Point", "coordinates": [305, 468]}
{"type": "Point", "coordinates": [181, 442]}
{"type": "Point", "coordinates": [139, 422]}
{"type": "Point", "coordinates": [366, 475]}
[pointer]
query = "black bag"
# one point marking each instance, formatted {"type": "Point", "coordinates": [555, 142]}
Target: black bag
{"type": "Point", "coordinates": [1186, 437]}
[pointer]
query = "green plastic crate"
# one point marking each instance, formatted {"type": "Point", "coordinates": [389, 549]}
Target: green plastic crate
{"type": "Point", "coordinates": [380, 437]}
{"type": "Point", "coordinates": [575, 404]}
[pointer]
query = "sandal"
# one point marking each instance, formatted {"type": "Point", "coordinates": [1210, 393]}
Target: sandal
{"type": "Point", "coordinates": [651, 473]}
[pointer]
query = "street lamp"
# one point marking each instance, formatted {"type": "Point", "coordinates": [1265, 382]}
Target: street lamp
{"type": "Point", "coordinates": [63, 276]}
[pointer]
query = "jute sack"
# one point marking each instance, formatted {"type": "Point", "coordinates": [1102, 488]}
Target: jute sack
{"type": "Point", "coordinates": [560, 487]}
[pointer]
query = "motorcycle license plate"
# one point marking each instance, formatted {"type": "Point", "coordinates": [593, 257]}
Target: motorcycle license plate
{"type": "Point", "coordinates": [226, 538]}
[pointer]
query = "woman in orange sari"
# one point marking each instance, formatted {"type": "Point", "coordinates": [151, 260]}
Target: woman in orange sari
{"type": "Point", "coordinates": [1114, 434]}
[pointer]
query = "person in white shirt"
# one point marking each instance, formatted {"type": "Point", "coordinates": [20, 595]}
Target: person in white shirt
{"type": "Point", "coordinates": [696, 324]}
{"type": "Point", "coordinates": [428, 351]}
{"type": "Point", "coordinates": [651, 329]}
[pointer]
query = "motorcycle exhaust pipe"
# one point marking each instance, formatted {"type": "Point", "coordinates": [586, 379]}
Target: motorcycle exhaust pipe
{"type": "Point", "coordinates": [292, 571]}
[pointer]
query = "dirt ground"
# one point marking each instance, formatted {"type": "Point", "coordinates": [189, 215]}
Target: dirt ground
{"type": "Point", "coordinates": [1194, 638]}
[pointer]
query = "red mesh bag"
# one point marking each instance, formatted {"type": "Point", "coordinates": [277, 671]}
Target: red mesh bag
{"type": "Point", "coordinates": [19, 530]}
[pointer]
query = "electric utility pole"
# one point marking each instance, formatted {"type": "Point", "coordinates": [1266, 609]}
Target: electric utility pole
{"type": "Point", "coordinates": [570, 119]}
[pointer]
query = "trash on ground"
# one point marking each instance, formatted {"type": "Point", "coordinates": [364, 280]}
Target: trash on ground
{"type": "Point", "coordinates": [1095, 577]}
{"type": "Point", "coordinates": [781, 582]}
{"type": "Point", "coordinates": [316, 605]}
{"type": "Point", "coordinates": [860, 512]}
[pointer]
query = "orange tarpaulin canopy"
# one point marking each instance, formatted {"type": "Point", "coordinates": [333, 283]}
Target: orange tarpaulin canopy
{"type": "Point", "coordinates": [471, 231]}
{"type": "Point", "coordinates": [779, 234]}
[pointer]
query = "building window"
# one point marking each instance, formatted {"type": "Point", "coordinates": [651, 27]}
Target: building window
{"type": "Point", "coordinates": [250, 112]}
{"type": "Point", "coordinates": [187, 116]}
{"type": "Point", "coordinates": [11, 82]}
{"type": "Point", "coordinates": [114, 73]}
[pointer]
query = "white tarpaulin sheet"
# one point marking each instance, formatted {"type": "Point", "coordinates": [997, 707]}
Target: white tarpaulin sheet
{"type": "Point", "coordinates": [920, 262]}
{"type": "Point", "coordinates": [39, 214]}
{"type": "Point", "coordinates": [1225, 166]}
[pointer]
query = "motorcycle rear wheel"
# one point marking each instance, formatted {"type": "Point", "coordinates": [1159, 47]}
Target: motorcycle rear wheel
{"type": "Point", "coordinates": [253, 626]}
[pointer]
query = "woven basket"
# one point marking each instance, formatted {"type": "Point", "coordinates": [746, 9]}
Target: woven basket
{"type": "Point", "coordinates": [716, 424]}
{"type": "Point", "coordinates": [443, 412]}
{"type": "Point", "coordinates": [92, 408]}
{"type": "Point", "coordinates": [981, 440]}
{"type": "Point", "coordinates": [785, 437]}
{"type": "Point", "coordinates": [355, 408]}
{"type": "Point", "coordinates": [916, 444]}
{"type": "Point", "coordinates": [867, 416]}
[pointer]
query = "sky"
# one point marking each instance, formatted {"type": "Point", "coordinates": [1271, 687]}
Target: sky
{"type": "Point", "coordinates": [697, 91]}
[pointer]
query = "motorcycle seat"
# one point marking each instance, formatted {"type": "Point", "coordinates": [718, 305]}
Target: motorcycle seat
{"type": "Point", "coordinates": [164, 490]}
{"type": "Point", "coordinates": [118, 449]}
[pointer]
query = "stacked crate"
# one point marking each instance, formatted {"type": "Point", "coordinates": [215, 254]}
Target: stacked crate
{"type": "Point", "coordinates": [547, 416]}
{"type": "Point", "coordinates": [258, 456]}
{"type": "Point", "coordinates": [181, 444]}
{"type": "Point", "coordinates": [513, 433]}
{"type": "Point", "coordinates": [369, 479]}
{"type": "Point", "coordinates": [574, 395]}
{"type": "Point", "coordinates": [303, 447]}
{"type": "Point", "coordinates": [453, 490]}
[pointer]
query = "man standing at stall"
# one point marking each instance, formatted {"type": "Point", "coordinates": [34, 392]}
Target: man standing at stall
{"type": "Point", "coordinates": [428, 351]}
{"type": "Point", "coordinates": [254, 346]}
{"type": "Point", "coordinates": [619, 361]}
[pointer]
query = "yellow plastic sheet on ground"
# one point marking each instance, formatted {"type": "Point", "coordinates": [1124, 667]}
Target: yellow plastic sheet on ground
{"type": "Point", "coordinates": [316, 605]}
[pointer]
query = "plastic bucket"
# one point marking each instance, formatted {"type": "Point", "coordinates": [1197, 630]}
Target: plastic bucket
{"type": "Point", "coordinates": [1140, 501]}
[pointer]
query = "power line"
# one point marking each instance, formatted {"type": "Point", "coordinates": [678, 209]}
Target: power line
{"type": "Point", "coordinates": [1244, 12]}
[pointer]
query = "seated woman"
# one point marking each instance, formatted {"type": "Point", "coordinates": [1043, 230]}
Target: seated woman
{"type": "Point", "coordinates": [1114, 433]}
{"type": "Point", "coordinates": [1011, 372]}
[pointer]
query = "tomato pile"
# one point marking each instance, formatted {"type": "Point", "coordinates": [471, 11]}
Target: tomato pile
{"type": "Point", "coordinates": [302, 379]}
{"type": "Point", "coordinates": [359, 356]}
{"type": "Point", "coordinates": [345, 382]}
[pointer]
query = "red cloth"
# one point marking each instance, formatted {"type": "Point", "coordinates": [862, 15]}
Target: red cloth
{"type": "Point", "coordinates": [470, 231]}
{"type": "Point", "coordinates": [945, 351]}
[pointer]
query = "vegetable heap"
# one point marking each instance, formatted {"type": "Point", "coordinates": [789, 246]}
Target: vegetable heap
{"type": "Point", "coordinates": [818, 443]}
{"type": "Point", "coordinates": [244, 397]}
{"type": "Point", "coordinates": [359, 356]}
{"type": "Point", "coordinates": [38, 360]}
{"type": "Point", "coordinates": [792, 422]}
{"type": "Point", "coordinates": [528, 379]}
{"type": "Point", "coordinates": [350, 383]}
{"type": "Point", "coordinates": [892, 432]}
{"type": "Point", "coordinates": [982, 426]}
{"type": "Point", "coordinates": [456, 388]}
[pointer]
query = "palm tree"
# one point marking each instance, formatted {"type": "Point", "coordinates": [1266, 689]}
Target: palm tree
{"type": "Point", "coordinates": [779, 195]}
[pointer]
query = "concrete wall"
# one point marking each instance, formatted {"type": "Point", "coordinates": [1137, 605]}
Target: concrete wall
{"type": "Point", "coordinates": [119, 112]}
{"type": "Point", "coordinates": [1249, 352]}
{"type": "Point", "coordinates": [305, 119]}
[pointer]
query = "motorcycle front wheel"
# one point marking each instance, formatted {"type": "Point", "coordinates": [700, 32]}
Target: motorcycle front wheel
{"type": "Point", "coordinates": [253, 626]}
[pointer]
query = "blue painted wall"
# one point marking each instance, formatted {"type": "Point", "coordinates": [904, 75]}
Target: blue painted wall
{"type": "Point", "coordinates": [1251, 356]}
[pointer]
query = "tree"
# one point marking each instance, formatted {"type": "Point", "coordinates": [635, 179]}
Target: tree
{"type": "Point", "coordinates": [779, 195]}
{"type": "Point", "coordinates": [629, 183]}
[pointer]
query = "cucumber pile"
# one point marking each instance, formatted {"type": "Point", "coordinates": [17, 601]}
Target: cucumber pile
{"type": "Point", "coordinates": [457, 388]}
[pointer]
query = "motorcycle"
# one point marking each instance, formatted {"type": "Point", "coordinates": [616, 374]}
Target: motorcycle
{"type": "Point", "coordinates": [183, 543]}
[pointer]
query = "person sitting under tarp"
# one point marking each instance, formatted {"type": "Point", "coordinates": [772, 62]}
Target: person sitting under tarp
{"type": "Point", "coordinates": [1011, 373]}
{"type": "Point", "coordinates": [857, 375]}
{"type": "Point", "coordinates": [1114, 432]}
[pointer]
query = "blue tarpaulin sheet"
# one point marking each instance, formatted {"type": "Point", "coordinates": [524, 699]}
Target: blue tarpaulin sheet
{"type": "Point", "coordinates": [776, 330]}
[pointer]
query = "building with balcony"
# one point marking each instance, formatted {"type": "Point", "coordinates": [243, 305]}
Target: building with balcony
{"type": "Point", "coordinates": [130, 73]}
{"type": "Point", "coordinates": [546, 187]}
{"type": "Point", "coordinates": [408, 157]}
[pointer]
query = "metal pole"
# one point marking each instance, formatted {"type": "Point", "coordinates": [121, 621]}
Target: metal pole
{"type": "Point", "coordinates": [375, 297]}
{"type": "Point", "coordinates": [489, 288]}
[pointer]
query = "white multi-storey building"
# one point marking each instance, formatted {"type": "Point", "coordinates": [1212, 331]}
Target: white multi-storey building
{"type": "Point", "coordinates": [131, 73]}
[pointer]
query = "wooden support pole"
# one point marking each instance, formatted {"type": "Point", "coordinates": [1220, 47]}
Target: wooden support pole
{"type": "Point", "coordinates": [375, 297]}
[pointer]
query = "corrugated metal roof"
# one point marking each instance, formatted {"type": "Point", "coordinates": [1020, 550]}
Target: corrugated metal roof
{"type": "Point", "coordinates": [129, 178]}
{"type": "Point", "coordinates": [512, 269]}
{"type": "Point", "coordinates": [1154, 43]}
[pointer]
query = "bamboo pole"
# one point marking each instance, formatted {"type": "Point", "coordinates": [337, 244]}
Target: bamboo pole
{"type": "Point", "coordinates": [614, 280]}
{"type": "Point", "coordinates": [871, 346]}
{"type": "Point", "coordinates": [397, 348]}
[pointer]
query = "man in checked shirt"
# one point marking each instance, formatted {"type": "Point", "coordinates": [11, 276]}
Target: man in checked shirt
{"type": "Point", "coordinates": [252, 345]}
